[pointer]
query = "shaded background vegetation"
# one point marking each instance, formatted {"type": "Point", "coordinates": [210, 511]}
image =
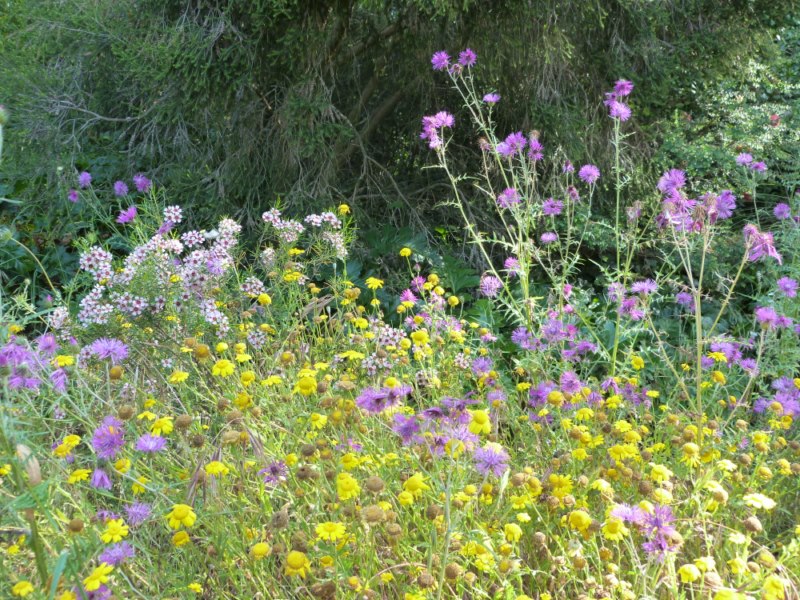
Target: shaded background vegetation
{"type": "Point", "coordinates": [234, 104]}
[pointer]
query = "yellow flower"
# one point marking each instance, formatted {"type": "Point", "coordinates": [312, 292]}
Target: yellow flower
{"type": "Point", "coordinates": [162, 426]}
{"type": "Point", "coordinates": [579, 520]}
{"type": "Point", "coordinates": [78, 475]}
{"type": "Point", "coordinates": [689, 573]}
{"type": "Point", "coordinates": [217, 468]}
{"type": "Point", "coordinates": [374, 283]}
{"type": "Point", "coordinates": [347, 486]}
{"type": "Point", "coordinates": [68, 595]}
{"type": "Point", "coordinates": [330, 531]}
{"type": "Point", "coordinates": [405, 498]}
{"type": "Point", "coordinates": [415, 485]}
{"type": "Point", "coordinates": [182, 514]}
{"type": "Point", "coordinates": [259, 550]}
{"type": "Point", "coordinates": [271, 381]}
{"type": "Point", "coordinates": [691, 454]}
{"type": "Point", "coordinates": [297, 564]}
{"type": "Point", "coordinates": [560, 485]}
{"type": "Point", "coordinates": [195, 587]}
{"type": "Point", "coordinates": [138, 485]}
{"type": "Point", "coordinates": [264, 299]}
{"type": "Point", "coordinates": [421, 337]}
{"type": "Point", "coordinates": [115, 531]}
{"type": "Point", "coordinates": [344, 209]}
{"type": "Point", "coordinates": [637, 362]}
{"type": "Point", "coordinates": [759, 501]}
{"type": "Point", "coordinates": [64, 360]}
{"type": "Point", "coordinates": [97, 577]}
{"type": "Point", "coordinates": [180, 538]}
{"type": "Point", "coordinates": [178, 376]}
{"type": "Point", "coordinates": [223, 368]}
{"type": "Point", "coordinates": [728, 594]}
{"type": "Point", "coordinates": [512, 532]}
{"type": "Point", "coordinates": [659, 473]}
{"type": "Point", "coordinates": [773, 588]}
{"type": "Point", "coordinates": [318, 421]}
{"type": "Point", "coordinates": [306, 386]}
{"type": "Point", "coordinates": [480, 423]}
{"type": "Point", "coordinates": [405, 252]}
{"type": "Point", "coordinates": [22, 589]}
{"type": "Point", "coordinates": [614, 529]}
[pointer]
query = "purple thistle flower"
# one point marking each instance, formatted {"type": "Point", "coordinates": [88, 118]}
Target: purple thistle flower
{"type": "Point", "coordinates": [744, 159]}
{"type": "Point", "coordinates": [84, 180]}
{"type": "Point", "coordinates": [568, 167]}
{"type": "Point", "coordinates": [671, 180]}
{"type": "Point", "coordinates": [644, 288]}
{"type": "Point", "coordinates": [100, 480]}
{"type": "Point", "coordinates": [151, 443]}
{"type": "Point", "coordinates": [589, 173]}
{"type": "Point", "coordinates": [782, 211]}
{"type": "Point", "coordinates": [552, 208]}
{"type": "Point", "coordinates": [759, 166]}
{"type": "Point", "coordinates": [725, 204]}
{"type": "Point", "coordinates": [274, 473]}
{"type": "Point", "coordinates": [491, 98]}
{"type": "Point", "coordinates": [570, 383]}
{"type": "Point", "coordinates": [375, 401]}
{"type": "Point", "coordinates": [110, 348]}
{"type": "Point", "coordinates": [787, 286]}
{"type": "Point", "coordinates": [120, 189]}
{"type": "Point", "coordinates": [137, 513]}
{"type": "Point", "coordinates": [760, 244]}
{"type": "Point", "coordinates": [513, 144]}
{"type": "Point", "coordinates": [440, 60]}
{"type": "Point", "coordinates": [623, 87]}
{"type": "Point", "coordinates": [482, 365]}
{"type": "Point", "coordinates": [141, 182]}
{"type": "Point", "coordinates": [492, 458]}
{"type": "Point", "coordinates": [511, 264]}
{"type": "Point", "coordinates": [508, 198]}
{"type": "Point", "coordinates": [535, 149]}
{"type": "Point", "coordinates": [127, 215]}
{"type": "Point", "coordinates": [548, 237]}
{"type": "Point", "coordinates": [72, 196]}
{"type": "Point", "coordinates": [406, 427]}
{"type": "Point", "coordinates": [767, 317]}
{"type": "Point", "coordinates": [117, 554]}
{"type": "Point", "coordinates": [490, 286]}
{"type": "Point", "coordinates": [619, 110]}
{"type": "Point", "coordinates": [467, 58]}
{"type": "Point", "coordinates": [109, 438]}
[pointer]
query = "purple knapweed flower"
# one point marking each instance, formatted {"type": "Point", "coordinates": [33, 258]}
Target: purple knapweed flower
{"type": "Point", "coordinates": [100, 480]}
{"type": "Point", "coordinates": [120, 189]}
{"type": "Point", "coordinates": [759, 166]}
{"type": "Point", "coordinates": [274, 473]}
{"type": "Point", "coordinates": [644, 288]}
{"type": "Point", "coordinates": [151, 443]}
{"type": "Point", "coordinates": [511, 264]}
{"type": "Point", "coordinates": [377, 400]}
{"type": "Point", "coordinates": [492, 458]}
{"type": "Point", "coordinates": [589, 174]}
{"type": "Point", "coordinates": [788, 287]}
{"type": "Point", "coordinates": [127, 215]}
{"type": "Point", "coordinates": [137, 513]}
{"type": "Point", "coordinates": [84, 180]}
{"type": "Point", "coordinates": [760, 244]}
{"type": "Point", "coordinates": [490, 286]}
{"type": "Point", "coordinates": [548, 237]}
{"type": "Point", "coordinates": [109, 438]}
{"type": "Point", "coordinates": [671, 180]}
{"type": "Point", "coordinates": [72, 196]}
{"type": "Point", "coordinates": [117, 554]}
{"type": "Point", "coordinates": [109, 348]}
{"type": "Point", "coordinates": [491, 98]}
{"type": "Point", "coordinates": [535, 149]}
{"type": "Point", "coordinates": [406, 427]}
{"type": "Point", "coordinates": [744, 159]}
{"type": "Point", "coordinates": [619, 110]}
{"type": "Point", "coordinates": [142, 183]}
{"type": "Point", "coordinates": [467, 58]}
{"type": "Point", "coordinates": [440, 60]}
{"type": "Point", "coordinates": [782, 211]}
{"type": "Point", "coordinates": [725, 204]}
{"type": "Point", "coordinates": [552, 208]}
{"type": "Point", "coordinates": [513, 144]}
{"type": "Point", "coordinates": [508, 198]}
{"type": "Point", "coordinates": [623, 87]}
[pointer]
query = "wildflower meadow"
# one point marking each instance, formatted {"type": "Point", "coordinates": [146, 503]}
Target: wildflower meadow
{"type": "Point", "coordinates": [232, 410]}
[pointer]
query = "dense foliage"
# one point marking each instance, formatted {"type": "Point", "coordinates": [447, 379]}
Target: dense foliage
{"type": "Point", "coordinates": [232, 104]}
